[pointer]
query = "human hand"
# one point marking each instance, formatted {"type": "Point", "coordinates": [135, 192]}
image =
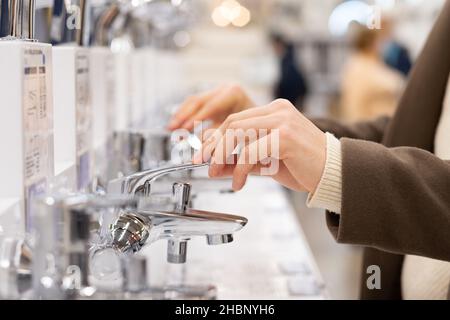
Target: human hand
{"type": "Point", "coordinates": [276, 140]}
{"type": "Point", "coordinates": [213, 105]}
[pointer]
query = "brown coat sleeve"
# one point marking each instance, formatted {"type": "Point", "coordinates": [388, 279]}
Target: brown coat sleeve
{"type": "Point", "coordinates": [394, 199]}
{"type": "Point", "coordinates": [369, 130]}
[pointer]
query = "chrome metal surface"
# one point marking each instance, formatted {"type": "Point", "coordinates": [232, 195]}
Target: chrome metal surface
{"type": "Point", "coordinates": [17, 19]}
{"type": "Point", "coordinates": [140, 183]}
{"type": "Point", "coordinates": [129, 150]}
{"type": "Point", "coordinates": [105, 22]}
{"type": "Point", "coordinates": [139, 21]}
{"type": "Point", "coordinates": [76, 249]}
{"type": "Point", "coordinates": [216, 239]}
{"type": "Point", "coordinates": [141, 149]}
{"type": "Point", "coordinates": [176, 251]}
{"type": "Point", "coordinates": [15, 268]}
{"type": "Point", "coordinates": [131, 231]}
{"type": "Point", "coordinates": [61, 251]}
{"type": "Point", "coordinates": [182, 195]}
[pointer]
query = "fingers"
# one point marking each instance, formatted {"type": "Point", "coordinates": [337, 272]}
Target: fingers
{"type": "Point", "coordinates": [258, 131]}
{"type": "Point", "coordinates": [268, 122]}
{"type": "Point", "coordinates": [216, 105]}
{"type": "Point", "coordinates": [249, 113]}
{"type": "Point", "coordinates": [205, 153]}
{"type": "Point", "coordinates": [283, 176]}
{"type": "Point", "coordinates": [186, 111]}
{"type": "Point", "coordinates": [263, 117]}
{"type": "Point", "coordinates": [213, 105]}
{"type": "Point", "coordinates": [189, 109]}
{"type": "Point", "coordinates": [224, 156]}
{"type": "Point", "coordinates": [254, 153]}
{"type": "Point", "coordinates": [227, 171]}
{"type": "Point", "coordinates": [241, 132]}
{"type": "Point", "coordinates": [219, 105]}
{"type": "Point", "coordinates": [218, 102]}
{"type": "Point", "coordinates": [214, 139]}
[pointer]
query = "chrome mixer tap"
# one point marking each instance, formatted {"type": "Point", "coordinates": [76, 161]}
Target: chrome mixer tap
{"type": "Point", "coordinates": [134, 229]}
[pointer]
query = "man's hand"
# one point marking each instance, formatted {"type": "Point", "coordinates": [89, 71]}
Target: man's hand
{"type": "Point", "coordinates": [213, 105]}
{"type": "Point", "coordinates": [276, 136]}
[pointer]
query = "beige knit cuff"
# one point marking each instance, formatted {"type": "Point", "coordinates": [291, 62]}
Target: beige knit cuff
{"type": "Point", "coordinates": [328, 194]}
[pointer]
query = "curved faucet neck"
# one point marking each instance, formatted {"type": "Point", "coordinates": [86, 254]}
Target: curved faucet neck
{"type": "Point", "coordinates": [141, 181]}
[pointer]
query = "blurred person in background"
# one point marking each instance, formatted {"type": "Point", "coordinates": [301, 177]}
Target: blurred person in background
{"type": "Point", "coordinates": [369, 87]}
{"type": "Point", "coordinates": [395, 54]}
{"type": "Point", "coordinates": [291, 84]}
{"type": "Point", "coordinates": [384, 183]}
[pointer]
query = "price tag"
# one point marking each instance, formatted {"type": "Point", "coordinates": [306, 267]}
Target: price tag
{"type": "Point", "coordinates": [38, 142]}
{"type": "Point", "coordinates": [83, 120]}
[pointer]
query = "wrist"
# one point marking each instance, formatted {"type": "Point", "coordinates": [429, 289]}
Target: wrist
{"type": "Point", "coordinates": [328, 193]}
{"type": "Point", "coordinates": [319, 161]}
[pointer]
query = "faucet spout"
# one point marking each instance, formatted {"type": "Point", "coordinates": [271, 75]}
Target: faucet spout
{"type": "Point", "coordinates": [132, 231]}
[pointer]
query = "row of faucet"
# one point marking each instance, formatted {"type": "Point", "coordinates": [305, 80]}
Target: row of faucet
{"type": "Point", "coordinates": [97, 23]}
{"type": "Point", "coordinates": [55, 258]}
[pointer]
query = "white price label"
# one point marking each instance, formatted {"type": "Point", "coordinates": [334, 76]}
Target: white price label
{"type": "Point", "coordinates": [36, 118]}
{"type": "Point", "coordinates": [83, 120]}
{"type": "Point", "coordinates": [38, 140]}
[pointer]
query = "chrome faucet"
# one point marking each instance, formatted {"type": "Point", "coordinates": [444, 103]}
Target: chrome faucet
{"type": "Point", "coordinates": [17, 19]}
{"type": "Point", "coordinates": [66, 236]}
{"type": "Point", "coordinates": [138, 151]}
{"type": "Point", "coordinates": [140, 183]}
{"type": "Point", "coordinates": [134, 229]}
{"type": "Point", "coordinates": [15, 267]}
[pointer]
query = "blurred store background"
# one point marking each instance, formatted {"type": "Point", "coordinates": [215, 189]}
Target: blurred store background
{"type": "Point", "coordinates": [317, 43]}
